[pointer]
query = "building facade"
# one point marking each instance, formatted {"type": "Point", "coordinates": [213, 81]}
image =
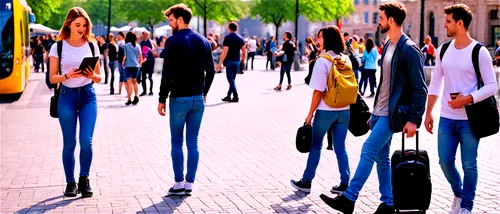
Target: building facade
{"type": "Point", "coordinates": [485, 26]}
{"type": "Point", "coordinates": [364, 21]}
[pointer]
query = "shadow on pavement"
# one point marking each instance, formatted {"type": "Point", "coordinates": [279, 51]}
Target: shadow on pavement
{"type": "Point", "coordinates": [41, 207]}
{"type": "Point", "coordinates": [168, 205]}
{"type": "Point", "coordinates": [297, 196]}
{"type": "Point", "coordinates": [216, 104]}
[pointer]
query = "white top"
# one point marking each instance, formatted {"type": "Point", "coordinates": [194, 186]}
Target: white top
{"type": "Point", "coordinates": [319, 80]}
{"type": "Point", "coordinates": [459, 76]}
{"type": "Point", "coordinates": [120, 43]}
{"type": "Point", "coordinates": [72, 57]}
{"type": "Point", "coordinates": [252, 45]}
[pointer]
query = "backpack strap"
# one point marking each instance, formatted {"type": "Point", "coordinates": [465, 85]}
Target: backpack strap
{"type": "Point", "coordinates": [475, 62]}
{"type": "Point", "coordinates": [91, 45]}
{"type": "Point", "coordinates": [443, 49]}
{"type": "Point", "coordinates": [59, 54]}
{"type": "Point", "coordinates": [327, 56]}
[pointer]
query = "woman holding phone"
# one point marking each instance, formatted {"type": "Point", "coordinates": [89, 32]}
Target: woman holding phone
{"type": "Point", "coordinates": [77, 99]}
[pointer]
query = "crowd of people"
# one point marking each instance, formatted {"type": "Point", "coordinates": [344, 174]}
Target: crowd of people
{"type": "Point", "coordinates": [191, 61]}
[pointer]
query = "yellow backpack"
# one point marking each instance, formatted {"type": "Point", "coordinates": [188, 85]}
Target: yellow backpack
{"type": "Point", "coordinates": [342, 85]}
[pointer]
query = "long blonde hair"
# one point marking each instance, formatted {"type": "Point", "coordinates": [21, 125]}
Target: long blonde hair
{"type": "Point", "coordinates": [74, 13]}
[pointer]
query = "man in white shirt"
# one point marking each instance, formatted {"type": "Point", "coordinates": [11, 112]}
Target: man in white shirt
{"type": "Point", "coordinates": [460, 89]}
{"type": "Point", "coordinates": [252, 48]}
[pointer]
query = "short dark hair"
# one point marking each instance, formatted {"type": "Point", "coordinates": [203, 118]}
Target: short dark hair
{"type": "Point", "coordinates": [288, 34]}
{"type": "Point", "coordinates": [460, 12]}
{"type": "Point", "coordinates": [233, 26]}
{"type": "Point", "coordinates": [346, 34]}
{"type": "Point", "coordinates": [121, 34]}
{"type": "Point", "coordinates": [180, 10]}
{"type": "Point", "coordinates": [332, 38]}
{"type": "Point", "coordinates": [396, 10]}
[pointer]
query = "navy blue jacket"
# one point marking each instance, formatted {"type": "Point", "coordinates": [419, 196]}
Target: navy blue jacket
{"type": "Point", "coordinates": [408, 90]}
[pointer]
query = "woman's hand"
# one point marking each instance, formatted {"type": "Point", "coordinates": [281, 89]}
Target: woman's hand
{"type": "Point", "coordinates": [309, 119]}
{"type": "Point", "coordinates": [74, 73]}
{"type": "Point", "coordinates": [89, 73]}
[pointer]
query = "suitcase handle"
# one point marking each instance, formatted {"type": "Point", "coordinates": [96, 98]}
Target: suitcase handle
{"type": "Point", "coordinates": [403, 143]}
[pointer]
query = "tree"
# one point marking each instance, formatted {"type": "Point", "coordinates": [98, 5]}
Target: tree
{"type": "Point", "coordinates": [44, 9]}
{"type": "Point", "coordinates": [313, 10]}
{"type": "Point", "coordinates": [218, 11]}
{"type": "Point", "coordinates": [270, 12]}
{"type": "Point", "coordinates": [148, 12]}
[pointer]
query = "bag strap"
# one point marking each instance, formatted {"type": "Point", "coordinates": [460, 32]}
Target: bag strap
{"type": "Point", "coordinates": [91, 45]}
{"type": "Point", "coordinates": [59, 54]}
{"type": "Point", "coordinates": [443, 50]}
{"type": "Point", "coordinates": [475, 62]}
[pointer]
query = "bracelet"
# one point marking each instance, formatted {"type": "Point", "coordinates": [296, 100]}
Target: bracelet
{"type": "Point", "coordinates": [66, 76]}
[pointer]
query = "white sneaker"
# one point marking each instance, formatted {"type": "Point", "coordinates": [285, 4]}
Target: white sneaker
{"type": "Point", "coordinates": [464, 211]}
{"type": "Point", "coordinates": [188, 188]}
{"type": "Point", "coordinates": [455, 206]}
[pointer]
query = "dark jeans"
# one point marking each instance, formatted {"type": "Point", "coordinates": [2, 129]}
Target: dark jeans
{"type": "Point", "coordinates": [38, 58]}
{"type": "Point", "coordinates": [429, 60]}
{"type": "Point", "coordinates": [112, 66]}
{"type": "Point", "coordinates": [147, 69]}
{"type": "Point", "coordinates": [232, 68]}
{"type": "Point", "coordinates": [250, 55]}
{"type": "Point", "coordinates": [106, 71]}
{"type": "Point", "coordinates": [77, 104]}
{"type": "Point", "coordinates": [185, 112]}
{"type": "Point", "coordinates": [285, 68]}
{"type": "Point", "coordinates": [270, 60]}
{"type": "Point", "coordinates": [367, 75]}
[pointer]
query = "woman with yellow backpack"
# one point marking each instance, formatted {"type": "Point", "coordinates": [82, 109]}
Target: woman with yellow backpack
{"type": "Point", "coordinates": [335, 88]}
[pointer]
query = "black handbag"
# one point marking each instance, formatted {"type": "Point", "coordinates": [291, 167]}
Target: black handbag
{"type": "Point", "coordinates": [360, 114]}
{"type": "Point", "coordinates": [483, 116]}
{"type": "Point", "coordinates": [54, 100]}
{"type": "Point", "coordinates": [303, 140]}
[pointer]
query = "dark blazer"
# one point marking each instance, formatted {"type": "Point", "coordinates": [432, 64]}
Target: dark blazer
{"type": "Point", "coordinates": [408, 90]}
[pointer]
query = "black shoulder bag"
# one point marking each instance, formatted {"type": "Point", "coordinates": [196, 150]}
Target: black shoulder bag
{"type": "Point", "coordinates": [54, 100]}
{"type": "Point", "coordinates": [483, 116]}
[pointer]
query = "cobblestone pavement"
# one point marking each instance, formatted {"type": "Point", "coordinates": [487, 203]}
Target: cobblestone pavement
{"type": "Point", "coordinates": [247, 158]}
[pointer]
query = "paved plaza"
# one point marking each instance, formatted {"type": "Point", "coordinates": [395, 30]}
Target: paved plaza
{"type": "Point", "coordinates": [247, 155]}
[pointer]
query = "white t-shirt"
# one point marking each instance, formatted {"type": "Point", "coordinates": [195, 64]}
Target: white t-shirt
{"type": "Point", "coordinates": [252, 45]}
{"type": "Point", "coordinates": [319, 80]}
{"type": "Point", "coordinates": [120, 43]}
{"type": "Point", "coordinates": [72, 57]}
{"type": "Point", "coordinates": [458, 74]}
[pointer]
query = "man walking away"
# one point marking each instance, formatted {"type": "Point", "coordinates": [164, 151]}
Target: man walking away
{"type": "Point", "coordinates": [230, 58]}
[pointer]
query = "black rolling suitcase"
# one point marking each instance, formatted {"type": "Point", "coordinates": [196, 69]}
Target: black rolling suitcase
{"type": "Point", "coordinates": [411, 179]}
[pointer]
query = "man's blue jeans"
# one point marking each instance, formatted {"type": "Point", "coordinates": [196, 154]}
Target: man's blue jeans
{"type": "Point", "coordinates": [375, 149]}
{"type": "Point", "coordinates": [77, 104]}
{"type": "Point", "coordinates": [232, 68]}
{"type": "Point", "coordinates": [185, 111]}
{"type": "Point", "coordinates": [451, 133]}
{"type": "Point", "coordinates": [339, 120]}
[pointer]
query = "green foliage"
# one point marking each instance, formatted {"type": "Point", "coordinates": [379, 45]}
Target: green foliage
{"type": "Point", "coordinates": [278, 12]}
{"type": "Point", "coordinates": [220, 11]}
{"type": "Point", "coordinates": [44, 9]}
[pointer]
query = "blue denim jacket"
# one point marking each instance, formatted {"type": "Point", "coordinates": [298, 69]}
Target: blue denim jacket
{"type": "Point", "coordinates": [408, 90]}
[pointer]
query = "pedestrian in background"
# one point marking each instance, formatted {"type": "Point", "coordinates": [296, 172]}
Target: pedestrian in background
{"type": "Point", "coordinates": [132, 61]}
